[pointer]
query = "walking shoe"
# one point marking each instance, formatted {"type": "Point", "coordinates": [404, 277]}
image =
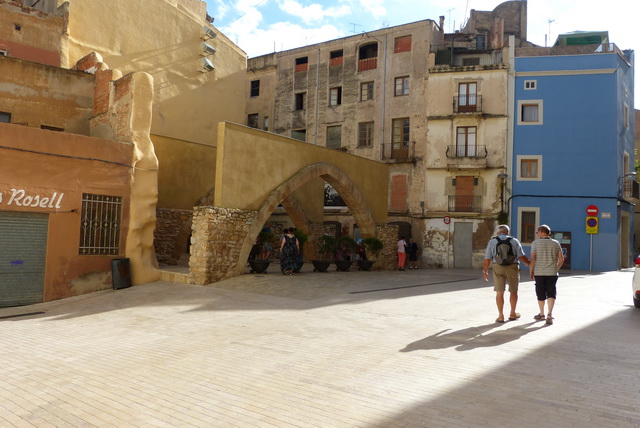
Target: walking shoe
{"type": "Point", "coordinates": [549, 320]}
{"type": "Point", "coordinates": [539, 317]}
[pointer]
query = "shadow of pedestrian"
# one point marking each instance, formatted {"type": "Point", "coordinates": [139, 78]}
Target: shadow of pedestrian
{"type": "Point", "coordinates": [471, 338]}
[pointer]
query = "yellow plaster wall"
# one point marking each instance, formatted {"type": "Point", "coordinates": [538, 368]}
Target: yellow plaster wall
{"type": "Point", "coordinates": [163, 39]}
{"type": "Point", "coordinates": [37, 94]}
{"type": "Point", "coordinates": [251, 164]}
{"type": "Point", "coordinates": [186, 171]}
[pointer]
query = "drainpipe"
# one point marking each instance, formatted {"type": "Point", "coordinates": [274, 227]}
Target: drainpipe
{"type": "Point", "coordinates": [511, 83]}
{"type": "Point", "coordinates": [315, 132]}
{"type": "Point", "coordinates": [384, 96]}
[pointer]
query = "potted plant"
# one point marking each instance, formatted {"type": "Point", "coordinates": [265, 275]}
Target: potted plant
{"type": "Point", "coordinates": [346, 245]}
{"type": "Point", "coordinates": [372, 247]}
{"type": "Point", "coordinates": [326, 248]}
{"type": "Point", "coordinates": [265, 243]}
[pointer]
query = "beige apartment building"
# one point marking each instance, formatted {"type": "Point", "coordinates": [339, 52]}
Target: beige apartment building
{"type": "Point", "coordinates": [433, 106]}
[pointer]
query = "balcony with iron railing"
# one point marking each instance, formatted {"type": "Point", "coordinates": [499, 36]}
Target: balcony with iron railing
{"type": "Point", "coordinates": [398, 152]}
{"type": "Point", "coordinates": [467, 104]}
{"type": "Point", "coordinates": [467, 151]}
{"type": "Point", "coordinates": [465, 203]}
{"type": "Point", "coordinates": [631, 190]}
{"type": "Point", "coordinates": [466, 157]}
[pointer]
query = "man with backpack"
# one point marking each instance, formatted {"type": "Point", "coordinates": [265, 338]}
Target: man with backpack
{"type": "Point", "coordinates": [503, 253]}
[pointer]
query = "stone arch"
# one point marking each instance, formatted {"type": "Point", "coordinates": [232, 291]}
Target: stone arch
{"type": "Point", "coordinates": [340, 181]}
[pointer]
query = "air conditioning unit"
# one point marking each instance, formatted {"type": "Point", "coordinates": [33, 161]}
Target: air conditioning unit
{"type": "Point", "coordinates": [207, 48]}
{"type": "Point", "coordinates": [206, 65]}
{"type": "Point", "coordinates": [208, 33]}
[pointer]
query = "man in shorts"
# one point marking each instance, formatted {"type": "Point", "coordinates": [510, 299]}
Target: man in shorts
{"type": "Point", "coordinates": [546, 261]}
{"type": "Point", "coordinates": [504, 274]}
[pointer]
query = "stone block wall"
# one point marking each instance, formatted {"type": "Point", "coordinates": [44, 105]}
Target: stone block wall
{"type": "Point", "coordinates": [216, 242]}
{"type": "Point", "coordinates": [173, 228]}
{"type": "Point", "coordinates": [388, 258]}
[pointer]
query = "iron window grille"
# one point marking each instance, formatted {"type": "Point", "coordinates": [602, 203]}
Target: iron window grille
{"type": "Point", "coordinates": [100, 224]}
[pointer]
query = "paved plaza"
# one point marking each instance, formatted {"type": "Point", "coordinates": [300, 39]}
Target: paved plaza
{"type": "Point", "coordinates": [338, 349]}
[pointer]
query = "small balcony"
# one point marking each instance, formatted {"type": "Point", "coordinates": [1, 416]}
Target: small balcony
{"type": "Point", "coordinates": [631, 190]}
{"type": "Point", "coordinates": [465, 204]}
{"type": "Point", "coordinates": [399, 152]}
{"type": "Point", "coordinates": [466, 151]}
{"type": "Point", "coordinates": [465, 104]}
{"type": "Point", "coordinates": [367, 64]}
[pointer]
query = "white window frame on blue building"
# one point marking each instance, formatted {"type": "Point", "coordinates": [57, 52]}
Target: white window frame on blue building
{"type": "Point", "coordinates": [522, 113]}
{"type": "Point", "coordinates": [521, 174]}
{"type": "Point", "coordinates": [536, 223]}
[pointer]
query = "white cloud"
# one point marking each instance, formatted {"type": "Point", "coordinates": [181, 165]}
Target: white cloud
{"type": "Point", "coordinates": [283, 36]}
{"type": "Point", "coordinates": [374, 7]}
{"type": "Point", "coordinates": [223, 9]}
{"type": "Point", "coordinates": [314, 12]}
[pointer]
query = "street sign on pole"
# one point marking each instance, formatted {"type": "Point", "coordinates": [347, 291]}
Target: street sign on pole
{"type": "Point", "coordinates": [592, 210]}
{"type": "Point", "coordinates": [592, 225]}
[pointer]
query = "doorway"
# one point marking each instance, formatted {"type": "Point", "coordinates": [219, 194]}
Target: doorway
{"type": "Point", "coordinates": [462, 249]}
{"type": "Point", "coordinates": [23, 250]}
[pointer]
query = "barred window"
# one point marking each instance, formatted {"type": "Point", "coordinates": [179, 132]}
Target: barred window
{"type": "Point", "coordinates": [100, 224]}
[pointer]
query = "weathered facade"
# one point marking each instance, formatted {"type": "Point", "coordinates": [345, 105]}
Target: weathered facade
{"type": "Point", "coordinates": [197, 74]}
{"type": "Point", "coordinates": [77, 183]}
{"type": "Point", "coordinates": [433, 106]}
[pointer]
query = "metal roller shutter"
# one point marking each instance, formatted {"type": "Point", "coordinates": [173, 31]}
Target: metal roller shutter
{"type": "Point", "coordinates": [23, 247]}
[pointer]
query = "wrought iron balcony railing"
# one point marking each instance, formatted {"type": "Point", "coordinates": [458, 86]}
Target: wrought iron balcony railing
{"type": "Point", "coordinates": [467, 104]}
{"type": "Point", "coordinates": [466, 151]}
{"type": "Point", "coordinates": [464, 203]}
{"type": "Point", "coordinates": [398, 151]}
{"type": "Point", "coordinates": [631, 190]}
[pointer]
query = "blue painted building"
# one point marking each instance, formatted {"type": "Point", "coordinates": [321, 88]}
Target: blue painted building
{"type": "Point", "coordinates": [573, 131]}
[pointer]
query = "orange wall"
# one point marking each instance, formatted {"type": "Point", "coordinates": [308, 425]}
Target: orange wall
{"type": "Point", "coordinates": [37, 94]}
{"type": "Point", "coordinates": [30, 34]}
{"type": "Point", "coordinates": [47, 163]}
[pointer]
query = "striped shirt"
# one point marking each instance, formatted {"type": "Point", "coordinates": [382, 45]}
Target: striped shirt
{"type": "Point", "coordinates": [546, 251]}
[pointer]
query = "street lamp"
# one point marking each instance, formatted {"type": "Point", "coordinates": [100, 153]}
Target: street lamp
{"type": "Point", "coordinates": [503, 177]}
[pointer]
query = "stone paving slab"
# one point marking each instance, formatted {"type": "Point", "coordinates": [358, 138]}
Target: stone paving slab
{"type": "Point", "coordinates": [338, 349]}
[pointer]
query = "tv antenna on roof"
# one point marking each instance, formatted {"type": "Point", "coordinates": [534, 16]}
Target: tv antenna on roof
{"type": "Point", "coordinates": [549, 34]}
{"type": "Point", "coordinates": [449, 18]}
{"type": "Point", "coordinates": [354, 27]}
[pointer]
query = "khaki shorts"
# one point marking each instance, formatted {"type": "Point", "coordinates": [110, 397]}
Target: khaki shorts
{"type": "Point", "coordinates": [506, 274]}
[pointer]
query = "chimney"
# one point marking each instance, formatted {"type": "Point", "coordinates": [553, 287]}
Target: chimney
{"type": "Point", "coordinates": [441, 22]}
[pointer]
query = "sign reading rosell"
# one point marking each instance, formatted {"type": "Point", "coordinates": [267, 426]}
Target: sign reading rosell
{"type": "Point", "coordinates": [20, 198]}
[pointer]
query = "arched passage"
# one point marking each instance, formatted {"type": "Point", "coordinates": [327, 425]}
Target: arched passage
{"type": "Point", "coordinates": [255, 172]}
{"type": "Point", "coordinates": [333, 175]}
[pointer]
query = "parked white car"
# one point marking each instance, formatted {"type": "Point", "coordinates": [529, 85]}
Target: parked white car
{"type": "Point", "coordinates": [636, 284]}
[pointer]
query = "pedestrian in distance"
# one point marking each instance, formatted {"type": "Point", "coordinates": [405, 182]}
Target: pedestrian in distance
{"type": "Point", "coordinates": [402, 252]}
{"type": "Point", "coordinates": [413, 254]}
{"type": "Point", "coordinates": [503, 253]}
{"type": "Point", "coordinates": [289, 249]}
{"type": "Point", "coordinates": [546, 260]}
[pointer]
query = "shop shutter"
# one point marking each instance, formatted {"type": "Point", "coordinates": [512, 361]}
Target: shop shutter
{"type": "Point", "coordinates": [23, 247]}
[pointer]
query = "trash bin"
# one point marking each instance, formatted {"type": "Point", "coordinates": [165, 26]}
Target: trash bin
{"type": "Point", "coordinates": [121, 273]}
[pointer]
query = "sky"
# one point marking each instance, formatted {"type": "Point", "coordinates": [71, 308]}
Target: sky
{"type": "Point", "coordinates": [263, 26]}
